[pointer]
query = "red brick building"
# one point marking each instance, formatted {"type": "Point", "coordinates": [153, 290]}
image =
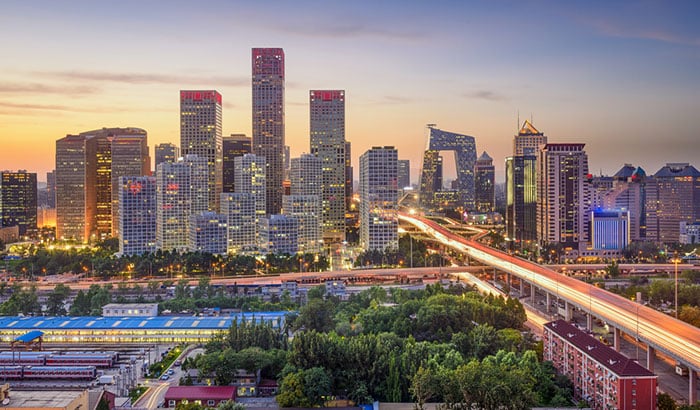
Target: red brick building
{"type": "Point", "coordinates": [207, 396]}
{"type": "Point", "coordinates": [603, 377]}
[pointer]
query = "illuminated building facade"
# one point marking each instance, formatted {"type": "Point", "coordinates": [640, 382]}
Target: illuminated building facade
{"type": "Point", "coordinates": [485, 176]}
{"type": "Point", "coordinates": [306, 209]}
{"type": "Point", "coordinates": [521, 198]}
{"type": "Point", "coordinates": [200, 134]}
{"type": "Point", "coordinates": [404, 173]}
{"type": "Point", "coordinates": [629, 193]}
{"type": "Point", "coordinates": [268, 120]}
{"type": "Point", "coordinates": [348, 176]}
{"type": "Point", "coordinates": [278, 234]}
{"type": "Point", "coordinates": [208, 233]}
{"type": "Point", "coordinates": [18, 201]}
{"type": "Point", "coordinates": [610, 229]}
{"type": "Point", "coordinates": [88, 168]}
{"type": "Point", "coordinates": [306, 175]}
{"type": "Point", "coordinates": [137, 215]}
{"type": "Point", "coordinates": [464, 148]}
{"type": "Point", "coordinates": [327, 127]}
{"type": "Point", "coordinates": [166, 152]}
{"type": "Point", "coordinates": [379, 222]}
{"type": "Point", "coordinates": [562, 195]}
{"type": "Point", "coordinates": [235, 145]}
{"type": "Point", "coordinates": [239, 210]}
{"type": "Point", "coordinates": [250, 177]}
{"type": "Point", "coordinates": [672, 197]}
{"type": "Point", "coordinates": [181, 190]}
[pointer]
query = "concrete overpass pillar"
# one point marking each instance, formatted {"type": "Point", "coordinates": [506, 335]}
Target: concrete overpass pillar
{"type": "Point", "coordinates": [522, 287]}
{"type": "Point", "coordinates": [616, 339]}
{"type": "Point", "coordinates": [589, 321]}
{"type": "Point", "coordinates": [495, 275]}
{"type": "Point", "coordinates": [549, 302]}
{"type": "Point", "coordinates": [509, 281]}
{"type": "Point", "coordinates": [692, 386]}
{"type": "Point", "coordinates": [532, 293]}
{"type": "Point", "coordinates": [569, 311]}
{"type": "Point", "coordinates": [650, 358]}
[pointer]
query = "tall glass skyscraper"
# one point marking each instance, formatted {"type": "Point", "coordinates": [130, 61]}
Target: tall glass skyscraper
{"type": "Point", "coordinates": [18, 198]}
{"type": "Point", "coordinates": [379, 195]}
{"type": "Point", "coordinates": [327, 126]}
{"type": "Point", "coordinates": [137, 215]}
{"type": "Point", "coordinates": [268, 120]}
{"type": "Point", "coordinates": [200, 134]}
{"type": "Point", "coordinates": [235, 145]}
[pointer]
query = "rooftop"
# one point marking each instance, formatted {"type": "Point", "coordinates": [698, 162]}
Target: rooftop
{"type": "Point", "coordinates": [120, 323]}
{"type": "Point", "coordinates": [42, 399]}
{"type": "Point", "coordinates": [201, 392]}
{"type": "Point", "coordinates": [614, 361]}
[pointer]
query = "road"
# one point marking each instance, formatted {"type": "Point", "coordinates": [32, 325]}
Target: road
{"type": "Point", "coordinates": [666, 334]}
{"type": "Point", "coordinates": [155, 395]}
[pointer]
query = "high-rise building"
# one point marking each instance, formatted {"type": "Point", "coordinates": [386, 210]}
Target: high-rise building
{"type": "Point", "coordinates": [166, 152]}
{"type": "Point", "coordinates": [200, 134]}
{"type": "Point", "coordinates": [562, 195]}
{"type": "Point", "coordinates": [208, 233]}
{"type": "Point", "coordinates": [250, 178]}
{"type": "Point", "coordinates": [130, 157]}
{"type": "Point", "coordinates": [51, 189]}
{"type": "Point", "coordinates": [672, 197]}
{"type": "Point", "coordinates": [306, 209]}
{"type": "Point", "coordinates": [88, 168]}
{"type": "Point", "coordinates": [628, 193]}
{"type": "Point", "coordinates": [484, 182]}
{"type": "Point", "coordinates": [137, 215]}
{"type": "Point", "coordinates": [239, 209]}
{"type": "Point", "coordinates": [268, 120]}
{"type": "Point", "coordinates": [521, 185]}
{"type": "Point", "coordinates": [610, 229]}
{"type": "Point", "coordinates": [18, 201]}
{"type": "Point", "coordinates": [306, 175]}
{"type": "Point", "coordinates": [327, 127]}
{"type": "Point", "coordinates": [528, 140]}
{"type": "Point", "coordinates": [348, 176]}
{"type": "Point", "coordinates": [235, 145]}
{"type": "Point", "coordinates": [379, 222]}
{"type": "Point", "coordinates": [278, 234]}
{"type": "Point", "coordinates": [521, 199]}
{"type": "Point", "coordinates": [464, 148]}
{"type": "Point", "coordinates": [404, 173]}
{"type": "Point", "coordinates": [181, 191]}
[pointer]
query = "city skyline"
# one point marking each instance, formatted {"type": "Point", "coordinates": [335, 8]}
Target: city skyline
{"type": "Point", "coordinates": [622, 79]}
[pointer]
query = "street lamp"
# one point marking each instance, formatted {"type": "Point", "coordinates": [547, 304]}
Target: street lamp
{"type": "Point", "coordinates": [675, 263]}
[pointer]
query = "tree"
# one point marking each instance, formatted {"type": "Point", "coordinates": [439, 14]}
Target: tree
{"type": "Point", "coordinates": [316, 315]}
{"type": "Point", "coordinates": [317, 385]}
{"type": "Point", "coordinates": [230, 405]}
{"type": "Point", "coordinates": [665, 402]}
{"type": "Point", "coordinates": [56, 300]}
{"type": "Point", "coordinates": [291, 392]}
{"type": "Point", "coordinates": [613, 270]}
{"type": "Point", "coordinates": [423, 387]}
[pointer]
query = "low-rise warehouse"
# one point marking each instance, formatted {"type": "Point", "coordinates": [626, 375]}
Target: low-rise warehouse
{"type": "Point", "coordinates": [156, 329]}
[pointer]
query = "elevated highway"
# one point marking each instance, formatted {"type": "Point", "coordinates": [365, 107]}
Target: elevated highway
{"type": "Point", "coordinates": [657, 330]}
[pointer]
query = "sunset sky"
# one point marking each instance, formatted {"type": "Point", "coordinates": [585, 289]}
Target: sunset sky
{"type": "Point", "coordinates": [623, 77]}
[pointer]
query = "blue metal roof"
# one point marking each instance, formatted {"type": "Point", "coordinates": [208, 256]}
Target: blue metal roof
{"type": "Point", "coordinates": [29, 336]}
{"type": "Point", "coordinates": [150, 323]}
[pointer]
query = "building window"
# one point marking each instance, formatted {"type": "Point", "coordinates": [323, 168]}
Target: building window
{"type": "Point", "coordinates": [171, 403]}
{"type": "Point", "coordinates": [210, 402]}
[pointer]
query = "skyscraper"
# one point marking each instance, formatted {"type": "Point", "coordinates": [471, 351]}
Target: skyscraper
{"type": "Point", "coordinates": [235, 145]}
{"type": "Point", "coordinates": [306, 175]}
{"type": "Point", "coordinates": [672, 197]}
{"type": "Point", "coordinates": [404, 173]}
{"type": "Point", "coordinates": [379, 222]}
{"type": "Point", "coordinates": [88, 168]}
{"type": "Point", "coordinates": [629, 193]}
{"type": "Point", "coordinates": [521, 185]}
{"type": "Point", "coordinates": [327, 127]}
{"type": "Point", "coordinates": [181, 191]}
{"type": "Point", "coordinates": [239, 209]}
{"type": "Point", "coordinates": [18, 200]}
{"type": "Point", "coordinates": [200, 134]}
{"type": "Point", "coordinates": [278, 234]}
{"type": "Point", "coordinates": [51, 189]}
{"type": "Point", "coordinates": [208, 232]}
{"type": "Point", "coordinates": [250, 178]}
{"type": "Point", "coordinates": [304, 203]}
{"type": "Point", "coordinates": [268, 120]}
{"type": "Point", "coordinates": [166, 152]}
{"type": "Point", "coordinates": [562, 195]}
{"type": "Point", "coordinates": [348, 176]}
{"type": "Point", "coordinates": [137, 215]}
{"type": "Point", "coordinates": [484, 177]}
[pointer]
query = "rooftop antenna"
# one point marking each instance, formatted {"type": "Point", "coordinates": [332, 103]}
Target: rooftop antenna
{"type": "Point", "coordinates": [531, 121]}
{"type": "Point", "coordinates": [517, 126]}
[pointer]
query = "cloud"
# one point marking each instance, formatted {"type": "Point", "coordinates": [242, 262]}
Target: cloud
{"type": "Point", "coordinates": [38, 88]}
{"type": "Point", "coordinates": [487, 95]}
{"type": "Point", "coordinates": [29, 108]}
{"type": "Point", "coordinates": [619, 30]}
{"type": "Point", "coordinates": [348, 30]}
{"type": "Point", "coordinates": [144, 78]}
